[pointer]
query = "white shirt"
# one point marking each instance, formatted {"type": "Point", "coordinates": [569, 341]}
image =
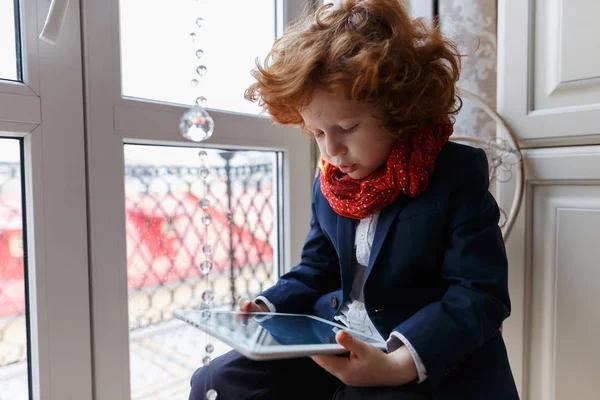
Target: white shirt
{"type": "Point", "coordinates": [353, 312]}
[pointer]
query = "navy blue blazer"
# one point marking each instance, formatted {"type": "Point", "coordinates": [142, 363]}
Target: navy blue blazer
{"type": "Point", "coordinates": [437, 274]}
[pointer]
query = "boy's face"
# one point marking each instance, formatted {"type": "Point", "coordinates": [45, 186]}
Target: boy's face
{"type": "Point", "coordinates": [347, 133]}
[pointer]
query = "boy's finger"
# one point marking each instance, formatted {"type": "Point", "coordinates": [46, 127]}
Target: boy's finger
{"type": "Point", "coordinates": [351, 343]}
{"type": "Point", "coordinates": [242, 303]}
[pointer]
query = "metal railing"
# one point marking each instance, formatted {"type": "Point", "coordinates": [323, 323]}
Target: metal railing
{"type": "Point", "coordinates": [165, 242]}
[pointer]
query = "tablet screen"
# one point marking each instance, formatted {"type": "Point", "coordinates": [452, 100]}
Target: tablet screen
{"type": "Point", "coordinates": [258, 332]}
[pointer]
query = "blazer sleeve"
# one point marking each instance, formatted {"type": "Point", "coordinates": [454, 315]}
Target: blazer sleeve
{"type": "Point", "coordinates": [317, 273]}
{"type": "Point", "coordinates": [475, 268]}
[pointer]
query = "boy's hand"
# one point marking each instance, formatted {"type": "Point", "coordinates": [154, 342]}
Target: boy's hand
{"type": "Point", "coordinates": [367, 365]}
{"type": "Point", "coordinates": [248, 306]}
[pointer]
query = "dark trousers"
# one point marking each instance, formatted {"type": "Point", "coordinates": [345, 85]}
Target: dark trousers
{"type": "Point", "coordinates": [236, 377]}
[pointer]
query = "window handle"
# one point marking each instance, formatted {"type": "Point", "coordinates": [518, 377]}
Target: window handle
{"type": "Point", "coordinates": [54, 21]}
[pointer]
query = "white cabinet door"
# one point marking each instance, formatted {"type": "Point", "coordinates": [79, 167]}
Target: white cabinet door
{"type": "Point", "coordinates": [549, 70]}
{"type": "Point", "coordinates": [552, 334]}
{"type": "Point", "coordinates": [549, 95]}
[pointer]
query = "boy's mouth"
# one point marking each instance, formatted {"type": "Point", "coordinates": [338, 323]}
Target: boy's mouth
{"type": "Point", "coordinates": [347, 168]}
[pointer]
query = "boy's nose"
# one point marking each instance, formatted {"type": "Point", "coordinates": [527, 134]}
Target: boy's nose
{"type": "Point", "coordinates": [335, 147]}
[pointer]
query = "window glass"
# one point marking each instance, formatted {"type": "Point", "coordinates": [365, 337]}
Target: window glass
{"type": "Point", "coordinates": [14, 382]}
{"type": "Point", "coordinates": [10, 67]}
{"type": "Point", "coordinates": [163, 43]}
{"type": "Point", "coordinates": [168, 238]}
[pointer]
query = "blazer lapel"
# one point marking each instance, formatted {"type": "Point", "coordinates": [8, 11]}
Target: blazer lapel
{"type": "Point", "coordinates": [346, 230]}
{"type": "Point", "coordinates": [386, 217]}
{"type": "Point", "coordinates": [345, 236]}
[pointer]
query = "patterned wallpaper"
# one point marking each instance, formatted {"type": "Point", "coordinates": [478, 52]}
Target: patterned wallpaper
{"type": "Point", "coordinates": [465, 21]}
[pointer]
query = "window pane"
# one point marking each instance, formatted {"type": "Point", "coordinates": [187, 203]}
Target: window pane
{"type": "Point", "coordinates": [158, 54]}
{"type": "Point", "coordinates": [166, 239]}
{"type": "Point", "coordinates": [9, 68]}
{"type": "Point", "coordinates": [14, 382]}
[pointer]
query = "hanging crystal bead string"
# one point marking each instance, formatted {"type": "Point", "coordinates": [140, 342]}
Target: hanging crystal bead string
{"type": "Point", "coordinates": [198, 126]}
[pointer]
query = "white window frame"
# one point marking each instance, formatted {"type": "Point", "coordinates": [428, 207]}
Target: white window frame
{"type": "Point", "coordinates": [113, 121]}
{"type": "Point", "coordinates": [46, 111]}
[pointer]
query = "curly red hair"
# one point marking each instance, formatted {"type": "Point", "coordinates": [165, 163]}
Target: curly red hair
{"type": "Point", "coordinates": [369, 50]}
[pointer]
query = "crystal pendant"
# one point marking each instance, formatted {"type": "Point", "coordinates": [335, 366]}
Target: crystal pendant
{"type": "Point", "coordinates": [204, 172]}
{"type": "Point", "coordinates": [206, 360]}
{"type": "Point", "coordinates": [206, 314]}
{"type": "Point", "coordinates": [206, 249]}
{"type": "Point", "coordinates": [206, 267]}
{"type": "Point", "coordinates": [201, 70]}
{"type": "Point", "coordinates": [201, 101]}
{"type": "Point", "coordinates": [204, 203]}
{"type": "Point", "coordinates": [206, 219]}
{"type": "Point", "coordinates": [208, 296]}
{"type": "Point", "coordinates": [209, 348]}
{"type": "Point", "coordinates": [196, 124]}
{"type": "Point", "coordinates": [199, 53]}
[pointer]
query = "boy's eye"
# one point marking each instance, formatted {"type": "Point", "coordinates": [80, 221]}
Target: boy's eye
{"type": "Point", "coordinates": [347, 130]}
{"type": "Point", "coordinates": [318, 133]}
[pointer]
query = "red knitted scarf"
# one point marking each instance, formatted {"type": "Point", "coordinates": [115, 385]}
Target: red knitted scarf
{"type": "Point", "coordinates": [408, 168]}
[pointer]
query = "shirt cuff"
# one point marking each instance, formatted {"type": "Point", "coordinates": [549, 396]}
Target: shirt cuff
{"type": "Point", "coordinates": [395, 341]}
{"type": "Point", "coordinates": [271, 307]}
{"type": "Point", "coordinates": [267, 303]}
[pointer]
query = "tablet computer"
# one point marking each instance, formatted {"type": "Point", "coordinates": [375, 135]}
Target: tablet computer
{"type": "Point", "coordinates": [269, 336]}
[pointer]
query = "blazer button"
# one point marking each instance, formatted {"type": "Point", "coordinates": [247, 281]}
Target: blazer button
{"type": "Point", "coordinates": [334, 302]}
